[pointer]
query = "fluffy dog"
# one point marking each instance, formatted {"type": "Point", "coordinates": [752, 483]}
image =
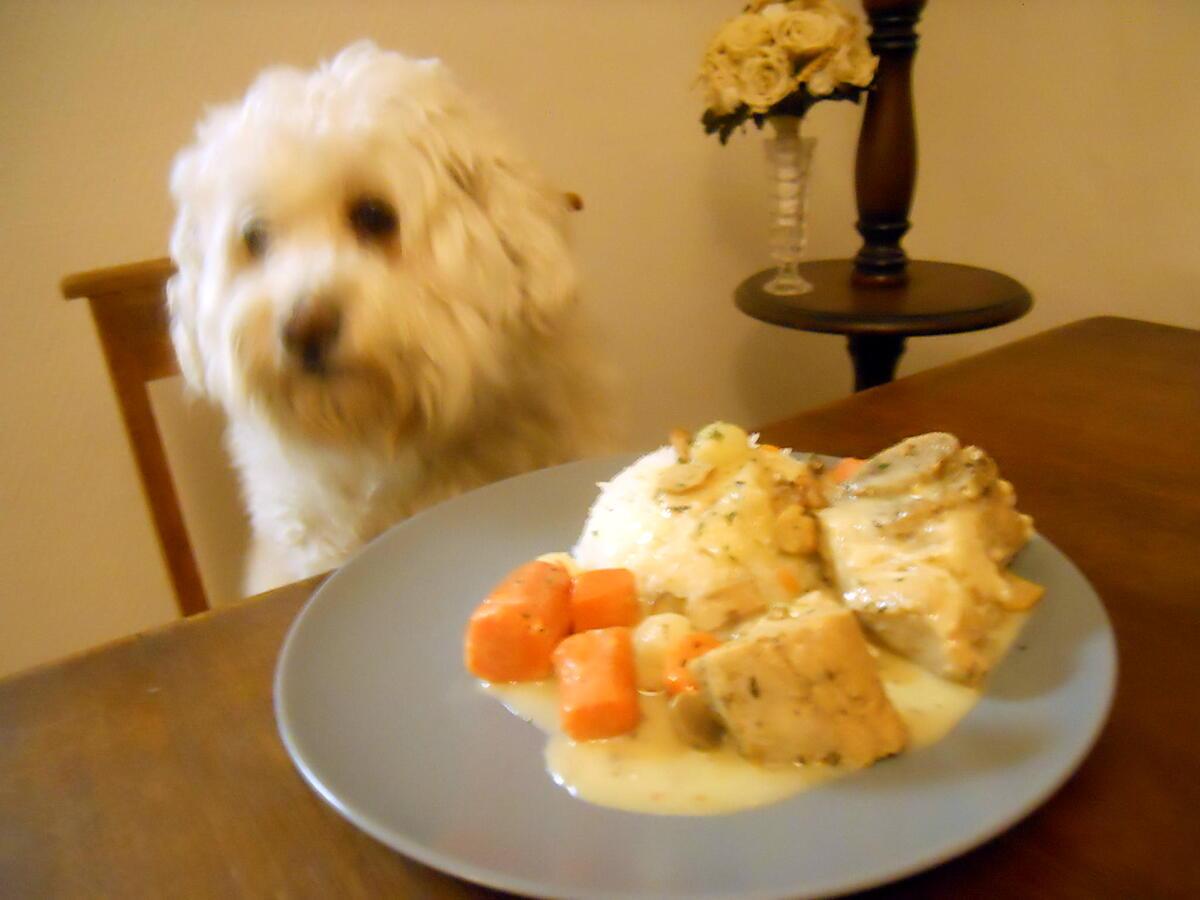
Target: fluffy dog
{"type": "Point", "coordinates": [378, 291]}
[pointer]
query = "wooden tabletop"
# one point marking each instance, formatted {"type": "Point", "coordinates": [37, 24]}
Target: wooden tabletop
{"type": "Point", "coordinates": [152, 767]}
{"type": "Point", "coordinates": [936, 298]}
{"type": "Point", "coordinates": [877, 318]}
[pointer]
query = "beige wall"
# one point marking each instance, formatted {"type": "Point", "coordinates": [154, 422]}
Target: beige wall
{"type": "Point", "coordinates": [1059, 143]}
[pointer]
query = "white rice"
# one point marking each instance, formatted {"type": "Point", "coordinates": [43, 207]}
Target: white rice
{"type": "Point", "coordinates": [695, 543]}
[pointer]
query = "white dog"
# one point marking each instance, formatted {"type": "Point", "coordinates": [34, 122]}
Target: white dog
{"type": "Point", "coordinates": [379, 293]}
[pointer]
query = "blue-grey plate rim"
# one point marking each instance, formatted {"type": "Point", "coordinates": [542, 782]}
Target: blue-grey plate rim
{"type": "Point", "coordinates": [1084, 691]}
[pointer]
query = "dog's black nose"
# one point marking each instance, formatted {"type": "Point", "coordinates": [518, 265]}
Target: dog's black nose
{"type": "Point", "coordinates": [311, 331]}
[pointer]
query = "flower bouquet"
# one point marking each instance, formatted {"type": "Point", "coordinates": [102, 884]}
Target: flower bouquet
{"type": "Point", "coordinates": [772, 63]}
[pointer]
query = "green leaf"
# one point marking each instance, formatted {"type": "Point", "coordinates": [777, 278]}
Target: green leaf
{"type": "Point", "coordinates": [796, 103]}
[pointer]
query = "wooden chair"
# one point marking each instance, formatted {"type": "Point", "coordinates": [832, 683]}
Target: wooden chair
{"type": "Point", "coordinates": [129, 310]}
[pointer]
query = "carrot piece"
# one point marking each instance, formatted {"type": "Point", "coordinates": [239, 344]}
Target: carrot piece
{"type": "Point", "coordinates": [676, 676]}
{"type": "Point", "coordinates": [788, 580]}
{"type": "Point", "coordinates": [597, 689]}
{"type": "Point", "coordinates": [512, 634]}
{"type": "Point", "coordinates": [602, 598]}
{"type": "Point", "coordinates": [845, 469]}
{"type": "Point", "coordinates": [768, 448]}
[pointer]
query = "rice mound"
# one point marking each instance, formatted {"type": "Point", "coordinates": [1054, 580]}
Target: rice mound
{"type": "Point", "coordinates": [690, 544]}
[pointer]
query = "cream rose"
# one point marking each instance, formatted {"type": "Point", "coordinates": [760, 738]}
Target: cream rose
{"type": "Point", "coordinates": [820, 82]}
{"type": "Point", "coordinates": [766, 78]}
{"type": "Point", "coordinates": [720, 80]}
{"type": "Point", "coordinates": [743, 35]}
{"type": "Point", "coordinates": [801, 31]}
{"type": "Point", "coordinates": [771, 11]}
{"type": "Point", "coordinates": [854, 63]}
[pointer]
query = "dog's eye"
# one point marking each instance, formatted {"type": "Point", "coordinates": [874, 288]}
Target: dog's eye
{"type": "Point", "coordinates": [254, 237]}
{"type": "Point", "coordinates": [373, 219]}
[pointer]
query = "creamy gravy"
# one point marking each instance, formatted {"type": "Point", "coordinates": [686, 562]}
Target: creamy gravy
{"type": "Point", "coordinates": [652, 771]}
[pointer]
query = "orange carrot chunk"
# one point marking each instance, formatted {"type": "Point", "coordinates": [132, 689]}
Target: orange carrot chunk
{"type": "Point", "coordinates": [845, 469]}
{"type": "Point", "coordinates": [597, 689]}
{"type": "Point", "coordinates": [788, 580]}
{"type": "Point", "coordinates": [511, 636]}
{"type": "Point", "coordinates": [676, 676]}
{"type": "Point", "coordinates": [604, 598]}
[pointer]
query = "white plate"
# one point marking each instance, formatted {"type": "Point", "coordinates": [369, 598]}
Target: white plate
{"type": "Point", "coordinates": [379, 715]}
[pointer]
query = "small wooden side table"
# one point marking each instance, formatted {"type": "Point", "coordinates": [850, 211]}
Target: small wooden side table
{"type": "Point", "coordinates": [881, 297]}
{"type": "Point", "coordinates": [935, 298]}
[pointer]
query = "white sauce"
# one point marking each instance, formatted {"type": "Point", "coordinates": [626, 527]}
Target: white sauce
{"type": "Point", "coordinates": [652, 771]}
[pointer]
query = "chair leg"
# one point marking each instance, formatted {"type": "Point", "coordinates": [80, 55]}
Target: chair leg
{"type": "Point", "coordinates": [875, 358]}
{"type": "Point", "coordinates": [158, 486]}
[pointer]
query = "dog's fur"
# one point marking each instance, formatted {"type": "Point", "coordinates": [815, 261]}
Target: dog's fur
{"type": "Point", "coordinates": [458, 357]}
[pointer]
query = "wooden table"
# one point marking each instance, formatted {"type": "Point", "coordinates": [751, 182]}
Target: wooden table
{"type": "Point", "coordinates": [151, 767]}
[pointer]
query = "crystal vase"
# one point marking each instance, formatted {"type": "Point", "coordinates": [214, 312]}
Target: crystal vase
{"type": "Point", "coordinates": [790, 157]}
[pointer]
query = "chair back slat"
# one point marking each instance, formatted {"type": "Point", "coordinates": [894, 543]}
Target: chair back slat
{"type": "Point", "coordinates": [139, 320]}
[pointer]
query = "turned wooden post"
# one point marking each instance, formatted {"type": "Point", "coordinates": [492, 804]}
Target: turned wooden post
{"type": "Point", "coordinates": [885, 171]}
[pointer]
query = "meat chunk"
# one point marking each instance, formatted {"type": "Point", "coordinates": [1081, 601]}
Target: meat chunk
{"type": "Point", "coordinates": [802, 688]}
{"type": "Point", "coordinates": [917, 545]}
{"type": "Point", "coordinates": [726, 606]}
{"type": "Point", "coordinates": [902, 465]}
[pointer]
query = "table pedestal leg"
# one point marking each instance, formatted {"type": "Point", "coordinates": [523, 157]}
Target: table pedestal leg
{"type": "Point", "coordinates": [875, 357]}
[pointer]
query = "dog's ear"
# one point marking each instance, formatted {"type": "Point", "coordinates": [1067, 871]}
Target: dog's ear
{"type": "Point", "coordinates": [465, 146]}
{"type": "Point", "coordinates": [530, 219]}
{"type": "Point", "coordinates": [187, 251]}
{"type": "Point", "coordinates": [527, 214]}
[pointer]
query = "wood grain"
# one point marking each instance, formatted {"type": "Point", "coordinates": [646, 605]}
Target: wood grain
{"type": "Point", "coordinates": [152, 767]}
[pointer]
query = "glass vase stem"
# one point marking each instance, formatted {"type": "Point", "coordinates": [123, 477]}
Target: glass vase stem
{"type": "Point", "coordinates": [789, 157]}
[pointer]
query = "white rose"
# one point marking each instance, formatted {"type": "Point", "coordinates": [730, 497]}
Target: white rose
{"type": "Point", "coordinates": [820, 82]}
{"type": "Point", "coordinates": [743, 35]}
{"type": "Point", "coordinates": [774, 12]}
{"type": "Point", "coordinates": [854, 64]}
{"type": "Point", "coordinates": [766, 79]}
{"type": "Point", "coordinates": [803, 31]}
{"type": "Point", "coordinates": [721, 83]}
